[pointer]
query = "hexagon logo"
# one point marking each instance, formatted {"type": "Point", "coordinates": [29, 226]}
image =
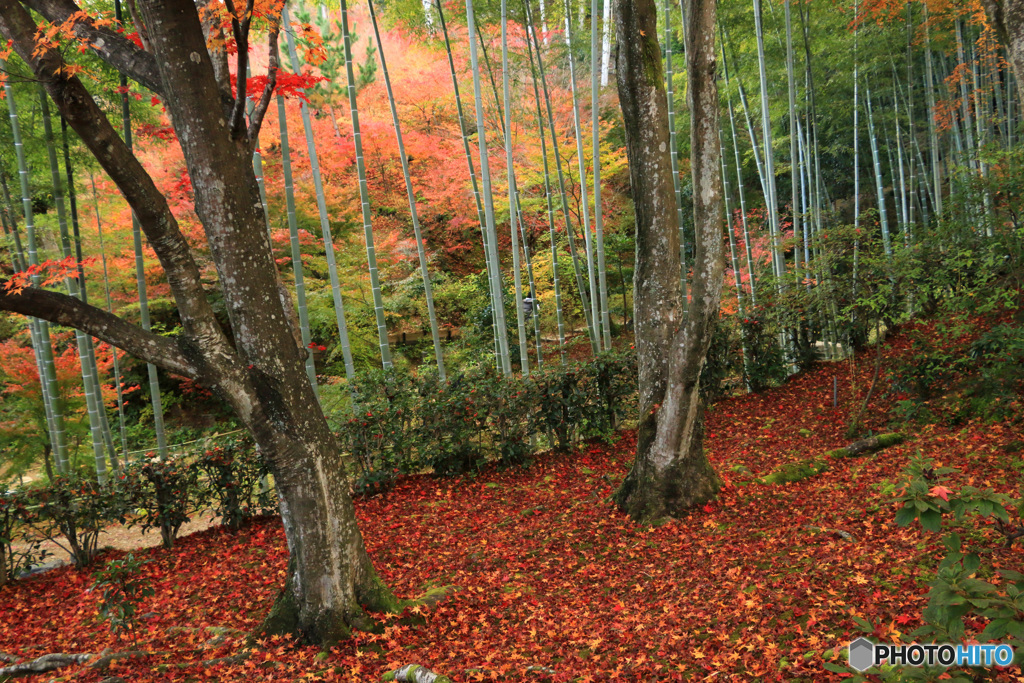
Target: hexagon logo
{"type": "Point", "coordinates": [861, 654]}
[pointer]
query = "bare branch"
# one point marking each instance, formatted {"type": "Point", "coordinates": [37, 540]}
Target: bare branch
{"type": "Point", "coordinates": [218, 56]}
{"type": "Point", "coordinates": [110, 46]}
{"type": "Point", "coordinates": [241, 31]}
{"type": "Point", "coordinates": [260, 111]}
{"type": "Point", "coordinates": [68, 311]}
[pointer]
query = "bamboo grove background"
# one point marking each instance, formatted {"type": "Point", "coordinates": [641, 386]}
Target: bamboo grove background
{"type": "Point", "coordinates": [446, 189]}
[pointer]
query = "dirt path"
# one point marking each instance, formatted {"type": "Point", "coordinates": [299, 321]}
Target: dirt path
{"type": "Point", "coordinates": [121, 537]}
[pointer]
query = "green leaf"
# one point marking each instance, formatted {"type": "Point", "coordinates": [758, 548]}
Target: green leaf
{"type": "Point", "coordinates": [836, 668]}
{"type": "Point", "coordinates": [864, 625]}
{"type": "Point", "coordinates": [931, 520]}
{"type": "Point", "coordinates": [996, 629]}
{"type": "Point", "coordinates": [906, 515]}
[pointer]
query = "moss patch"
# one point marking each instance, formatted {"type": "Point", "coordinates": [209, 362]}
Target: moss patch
{"type": "Point", "coordinates": [795, 471]}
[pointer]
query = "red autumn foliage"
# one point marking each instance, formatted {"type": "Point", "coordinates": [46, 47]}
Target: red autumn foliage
{"type": "Point", "coordinates": [753, 587]}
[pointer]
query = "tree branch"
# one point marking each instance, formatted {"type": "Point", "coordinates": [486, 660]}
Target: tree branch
{"type": "Point", "coordinates": [110, 46]}
{"type": "Point", "coordinates": [68, 311]}
{"type": "Point", "coordinates": [240, 27]}
{"type": "Point", "coordinates": [150, 206]}
{"type": "Point", "coordinates": [260, 111]}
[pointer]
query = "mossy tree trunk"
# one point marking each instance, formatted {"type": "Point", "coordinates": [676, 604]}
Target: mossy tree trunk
{"type": "Point", "coordinates": [671, 472]}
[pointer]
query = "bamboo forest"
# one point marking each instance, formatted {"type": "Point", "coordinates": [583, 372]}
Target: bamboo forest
{"type": "Point", "coordinates": [440, 341]}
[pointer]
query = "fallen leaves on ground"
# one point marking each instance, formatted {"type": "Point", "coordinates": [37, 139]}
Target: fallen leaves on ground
{"type": "Point", "coordinates": [755, 586]}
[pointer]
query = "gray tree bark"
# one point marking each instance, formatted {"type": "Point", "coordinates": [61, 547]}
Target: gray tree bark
{"type": "Point", "coordinates": [262, 375]}
{"type": "Point", "coordinates": [671, 473]}
{"type": "Point", "coordinates": [1007, 18]}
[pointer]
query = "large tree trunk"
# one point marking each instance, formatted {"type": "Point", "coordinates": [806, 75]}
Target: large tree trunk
{"type": "Point", "coordinates": [1007, 18]}
{"type": "Point", "coordinates": [671, 472]}
{"type": "Point", "coordinates": [262, 376]}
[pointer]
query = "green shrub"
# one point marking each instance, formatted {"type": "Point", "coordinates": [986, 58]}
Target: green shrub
{"type": "Point", "coordinates": [14, 514]}
{"type": "Point", "coordinates": [123, 587]}
{"type": "Point", "coordinates": [160, 493]}
{"type": "Point", "coordinates": [71, 512]}
{"type": "Point", "coordinates": [766, 365]}
{"type": "Point", "coordinates": [231, 477]}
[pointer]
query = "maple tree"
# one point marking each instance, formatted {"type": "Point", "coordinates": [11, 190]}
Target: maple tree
{"type": "Point", "coordinates": [671, 473]}
{"type": "Point", "coordinates": [261, 374]}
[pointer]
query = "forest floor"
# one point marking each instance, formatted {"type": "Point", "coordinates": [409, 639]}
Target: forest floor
{"type": "Point", "coordinates": [554, 584]}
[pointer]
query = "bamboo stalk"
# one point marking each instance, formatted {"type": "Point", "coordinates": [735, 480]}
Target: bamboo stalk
{"type": "Point", "coordinates": [364, 195]}
{"type": "Point", "coordinates": [325, 225]}
{"type": "Point", "coordinates": [602, 274]}
{"type": "Point", "coordinates": [89, 380]}
{"type": "Point", "coordinates": [495, 295]}
{"type": "Point", "coordinates": [110, 309]}
{"type": "Point", "coordinates": [298, 274]}
{"type": "Point", "coordinates": [561, 185]}
{"type": "Point", "coordinates": [577, 128]}
{"type": "Point", "coordinates": [424, 273]}
{"type": "Point", "coordinates": [140, 274]}
{"type": "Point", "coordinates": [547, 192]}
{"type": "Point", "coordinates": [43, 345]}
{"type": "Point", "coordinates": [485, 176]}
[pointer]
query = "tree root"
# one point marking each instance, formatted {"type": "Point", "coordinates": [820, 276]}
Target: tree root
{"type": "Point", "coordinates": [845, 535]}
{"type": "Point", "coordinates": [99, 662]}
{"type": "Point", "coordinates": [41, 665]}
{"type": "Point", "coordinates": [414, 673]}
{"type": "Point", "coordinates": [875, 443]}
{"type": "Point", "coordinates": [107, 658]}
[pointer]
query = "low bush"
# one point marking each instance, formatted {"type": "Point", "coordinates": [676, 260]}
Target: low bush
{"type": "Point", "coordinates": [159, 493]}
{"type": "Point", "coordinates": [954, 380]}
{"type": "Point", "coordinates": [71, 512]}
{"type": "Point", "coordinates": [234, 483]}
{"type": "Point", "coordinates": [13, 513]}
{"type": "Point", "coordinates": [397, 423]}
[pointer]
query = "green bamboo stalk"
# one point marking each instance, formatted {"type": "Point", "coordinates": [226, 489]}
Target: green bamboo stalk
{"type": "Point", "coordinates": [43, 345]}
{"type": "Point", "coordinates": [547, 192]}
{"type": "Point", "coordinates": [494, 296]}
{"type": "Point", "coordinates": [498, 106]}
{"type": "Point", "coordinates": [485, 176]}
{"type": "Point", "coordinates": [564, 197]}
{"type": "Point", "coordinates": [732, 253]}
{"type": "Point", "coordinates": [769, 155]}
{"type": "Point", "coordinates": [89, 380]}
{"type": "Point", "coordinates": [424, 273]}
{"type": "Point", "coordinates": [933, 138]}
{"type": "Point", "coordinates": [302, 307]}
{"type": "Point", "coordinates": [524, 356]}
{"type": "Point", "coordinates": [602, 274]}
{"type": "Point", "coordinates": [904, 190]}
{"type": "Point", "coordinates": [577, 129]}
{"type": "Point", "coordinates": [364, 195]}
{"type": "Point", "coordinates": [21, 263]}
{"type": "Point", "coordinates": [739, 176]}
{"type": "Point", "coordinates": [606, 46]}
{"type": "Point", "coordinates": [110, 309]}
{"type": "Point", "coordinates": [325, 224]}
{"type": "Point", "coordinates": [140, 272]}
{"type": "Point", "coordinates": [879, 183]}
{"type": "Point", "coordinates": [108, 437]}
{"type": "Point", "coordinates": [795, 166]}
{"type": "Point", "coordinates": [911, 127]}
